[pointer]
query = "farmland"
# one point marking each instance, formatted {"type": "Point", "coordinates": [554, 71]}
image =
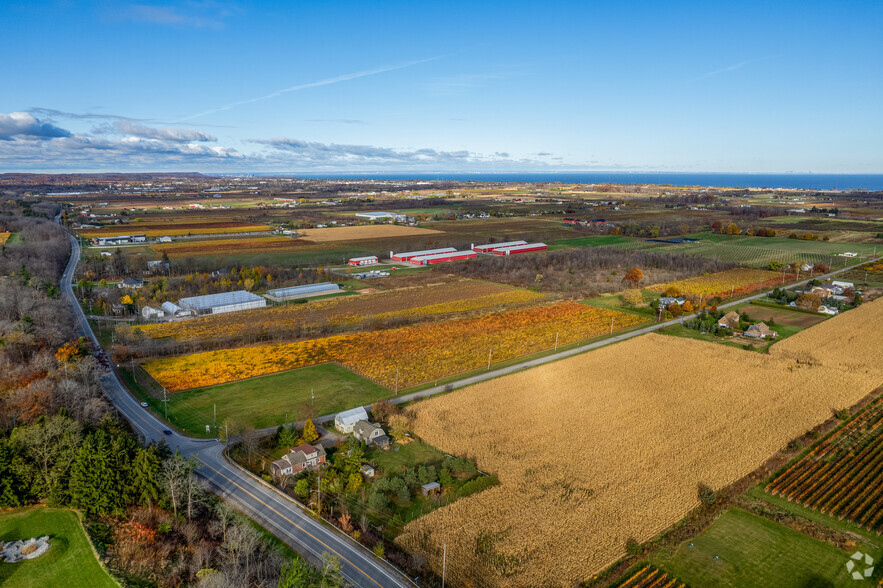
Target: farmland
{"type": "Point", "coordinates": [406, 356]}
{"type": "Point", "coordinates": [647, 434]}
{"type": "Point", "coordinates": [843, 475]}
{"type": "Point", "coordinates": [725, 284]}
{"type": "Point", "coordinates": [159, 230]}
{"type": "Point", "coordinates": [225, 246]}
{"type": "Point", "coordinates": [447, 297]}
{"type": "Point", "coordinates": [363, 232]}
{"type": "Point", "coordinates": [650, 577]}
{"type": "Point", "coordinates": [70, 560]}
{"type": "Point", "coordinates": [4, 237]}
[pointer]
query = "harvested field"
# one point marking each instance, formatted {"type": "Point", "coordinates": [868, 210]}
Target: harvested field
{"type": "Point", "coordinates": [221, 246]}
{"type": "Point", "coordinates": [363, 233]}
{"type": "Point", "coordinates": [628, 432]}
{"type": "Point", "coordinates": [447, 297]}
{"type": "Point", "coordinates": [782, 317]}
{"type": "Point", "coordinates": [171, 230]}
{"type": "Point", "coordinates": [406, 356]}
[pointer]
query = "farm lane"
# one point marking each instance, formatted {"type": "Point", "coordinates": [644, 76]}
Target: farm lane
{"type": "Point", "coordinates": [268, 507]}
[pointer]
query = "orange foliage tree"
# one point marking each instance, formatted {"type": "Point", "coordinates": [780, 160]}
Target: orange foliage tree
{"type": "Point", "coordinates": [633, 277]}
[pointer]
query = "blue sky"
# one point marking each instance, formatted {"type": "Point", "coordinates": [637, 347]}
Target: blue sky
{"type": "Point", "coordinates": [442, 86]}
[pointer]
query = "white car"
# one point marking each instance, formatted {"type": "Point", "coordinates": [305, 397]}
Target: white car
{"type": "Point", "coordinates": [144, 404]}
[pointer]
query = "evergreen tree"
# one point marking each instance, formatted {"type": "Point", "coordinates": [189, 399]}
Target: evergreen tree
{"type": "Point", "coordinates": [145, 476]}
{"type": "Point", "coordinates": [296, 574]}
{"type": "Point", "coordinates": [93, 481]}
{"type": "Point", "coordinates": [12, 488]}
{"type": "Point", "coordinates": [286, 436]}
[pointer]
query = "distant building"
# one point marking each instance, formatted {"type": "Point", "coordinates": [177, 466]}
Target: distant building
{"type": "Point", "coordinates": [149, 312]}
{"type": "Point", "coordinates": [173, 309]}
{"type": "Point", "coordinates": [369, 260]}
{"type": "Point", "coordinates": [131, 283]}
{"type": "Point", "coordinates": [379, 215]}
{"type": "Point", "coordinates": [729, 320]}
{"type": "Point", "coordinates": [346, 420]}
{"type": "Point", "coordinates": [295, 292]}
{"type": "Point", "coordinates": [760, 331]}
{"type": "Point", "coordinates": [121, 240]}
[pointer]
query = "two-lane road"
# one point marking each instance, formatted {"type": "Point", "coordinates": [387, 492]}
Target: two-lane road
{"type": "Point", "coordinates": [265, 505]}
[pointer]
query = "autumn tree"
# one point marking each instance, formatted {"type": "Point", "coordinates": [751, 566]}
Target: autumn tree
{"type": "Point", "coordinates": [687, 307]}
{"type": "Point", "coordinates": [808, 301]}
{"type": "Point", "coordinates": [732, 229]}
{"type": "Point", "coordinates": [633, 297]}
{"type": "Point", "coordinates": [309, 434]}
{"type": "Point", "coordinates": [633, 277]}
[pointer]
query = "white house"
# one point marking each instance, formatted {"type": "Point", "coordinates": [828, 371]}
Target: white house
{"type": "Point", "coordinates": [149, 312]}
{"type": "Point", "coordinates": [346, 420]}
{"type": "Point", "coordinates": [843, 285]}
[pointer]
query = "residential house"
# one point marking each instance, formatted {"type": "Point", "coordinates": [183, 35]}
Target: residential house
{"type": "Point", "coordinates": [729, 320]}
{"type": "Point", "coordinates": [760, 331]}
{"type": "Point", "coordinates": [667, 301]}
{"type": "Point", "coordinates": [131, 283]}
{"type": "Point", "coordinates": [346, 420]}
{"type": "Point", "coordinates": [301, 458]}
{"type": "Point", "coordinates": [371, 434]}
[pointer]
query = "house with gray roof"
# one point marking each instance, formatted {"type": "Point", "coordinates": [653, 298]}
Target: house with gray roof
{"type": "Point", "coordinates": [371, 434]}
{"type": "Point", "coordinates": [301, 458]}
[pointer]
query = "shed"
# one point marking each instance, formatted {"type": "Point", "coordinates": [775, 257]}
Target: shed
{"type": "Point", "coordinates": [367, 470]}
{"type": "Point", "coordinates": [431, 489]}
{"type": "Point", "coordinates": [346, 420]}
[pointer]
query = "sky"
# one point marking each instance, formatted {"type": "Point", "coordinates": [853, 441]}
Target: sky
{"type": "Point", "coordinates": [411, 86]}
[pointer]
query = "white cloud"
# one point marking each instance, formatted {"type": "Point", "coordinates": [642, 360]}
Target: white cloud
{"type": "Point", "coordinates": [22, 124]}
{"type": "Point", "coordinates": [178, 135]}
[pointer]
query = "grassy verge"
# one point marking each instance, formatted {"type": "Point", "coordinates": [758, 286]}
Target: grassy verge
{"type": "Point", "coordinates": [70, 560]}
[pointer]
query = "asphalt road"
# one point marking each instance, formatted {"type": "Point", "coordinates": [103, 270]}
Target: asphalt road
{"type": "Point", "coordinates": [265, 505]}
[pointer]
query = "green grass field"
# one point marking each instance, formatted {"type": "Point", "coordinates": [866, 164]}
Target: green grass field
{"type": "Point", "coordinates": [269, 401]}
{"type": "Point", "coordinates": [70, 560]}
{"type": "Point", "coordinates": [755, 552]}
{"type": "Point", "coordinates": [409, 455]}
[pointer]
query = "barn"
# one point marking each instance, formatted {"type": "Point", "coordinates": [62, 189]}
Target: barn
{"type": "Point", "coordinates": [294, 292]}
{"type": "Point", "coordinates": [491, 246]}
{"type": "Point", "coordinates": [527, 248]}
{"type": "Point", "coordinates": [407, 256]}
{"type": "Point", "coordinates": [443, 257]}
{"type": "Point", "coordinates": [223, 302]}
{"type": "Point", "coordinates": [369, 260]}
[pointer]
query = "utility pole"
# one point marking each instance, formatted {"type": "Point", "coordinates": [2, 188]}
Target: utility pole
{"type": "Point", "coordinates": [611, 325]}
{"type": "Point", "coordinates": [783, 274]}
{"type": "Point", "coordinates": [397, 380]}
{"type": "Point", "coordinates": [556, 349]}
{"type": "Point", "coordinates": [165, 401]}
{"type": "Point", "coordinates": [489, 351]}
{"type": "Point", "coordinates": [216, 417]}
{"type": "Point", "coordinates": [313, 400]}
{"type": "Point", "coordinates": [319, 488]}
{"type": "Point", "coordinates": [733, 289]}
{"type": "Point", "coordinates": [134, 374]}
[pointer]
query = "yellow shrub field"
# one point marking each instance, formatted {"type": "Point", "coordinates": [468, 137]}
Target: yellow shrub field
{"type": "Point", "coordinates": [726, 283]}
{"type": "Point", "coordinates": [608, 445]}
{"type": "Point", "coordinates": [457, 296]}
{"type": "Point", "coordinates": [406, 356]}
{"type": "Point", "coordinates": [4, 237]}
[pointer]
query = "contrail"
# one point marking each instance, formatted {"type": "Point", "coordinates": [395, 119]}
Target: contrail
{"type": "Point", "coordinates": [325, 82]}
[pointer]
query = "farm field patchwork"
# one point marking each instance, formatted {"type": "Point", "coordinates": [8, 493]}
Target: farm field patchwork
{"type": "Point", "coordinates": [363, 232]}
{"type": "Point", "coordinates": [222, 246]}
{"type": "Point", "coordinates": [646, 433]}
{"type": "Point", "coordinates": [725, 284]}
{"type": "Point", "coordinates": [782, 316]}
{"type": "Point", "coordinates": [404, 357]}
{"type": "Point", "coordinates": [172, 230]}
{"type": "Point", "coordinates": [843, 475]}
{"type": "Point", "coordinates": [754, 552]}
{"type": "Point", "coordinates": [450, 297]}
{"type": "Point", "coordinates": [70, 560]}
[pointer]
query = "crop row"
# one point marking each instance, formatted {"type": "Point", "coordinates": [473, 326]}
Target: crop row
{"type": "Point", "coordinates": [403, 357]}
{"type": "Point", "coordinates": [649, 577]}
{"type": "Point", "coordinates": [449, 297]}
{"type": "Point", "coordinates": [843, 475]}
{"type": "Point", "coordinates": [725, 284]}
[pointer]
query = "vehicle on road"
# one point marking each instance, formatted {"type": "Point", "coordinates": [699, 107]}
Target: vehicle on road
{"type": "Point", "coordinates": [167, 431]}
{"type": "Point", "coordinates": [144, 404]}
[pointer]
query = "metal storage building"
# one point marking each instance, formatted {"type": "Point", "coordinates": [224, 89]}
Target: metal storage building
{"type": "Point", "coordinates": [174, 310]}
{"type": "Point", "coordinates": [520, 249]}
{"type": "Point", "coordinates": [491, 246]}
{"type": "Point", "coordinates": [223, 302]}
{"type": "Point", "coordinates": [443, 257]}
{"type": "Point", "coordinates": [371, 259]}
{"type": "Point", "coordinates": [346, 420]}
{"type": "Point", "coordinates": [407, 256]}
{"type": "Point", "coordinates": [293, 292]}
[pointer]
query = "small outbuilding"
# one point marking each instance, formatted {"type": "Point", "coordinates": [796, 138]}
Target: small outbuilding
{"type": "Point", "coordinates": [150, 312]}
{"type": "Point", "coordinates": [760, 331]}
{"type": "Point", "coordinates": [431, 489]}
{"type": "Point", "coordinates": [367, 470]}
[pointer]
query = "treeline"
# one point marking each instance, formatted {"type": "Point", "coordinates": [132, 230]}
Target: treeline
{"type": "Point", "coordinates": [41, 248]}
{"type": "Point", "coordinates": [584, 271]}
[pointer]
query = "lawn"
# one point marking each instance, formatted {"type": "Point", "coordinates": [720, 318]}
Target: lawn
{"type": "Point", "coordinates": [782, 331]}
{"type": "Point", "coordinates": [70, 560]}
{"type": "Point", "coordinates": [753, 551]}
{"type": "Point", "coordinates": [271, 400]}
{"type": "Point", "coordinates": [594, 241]}
{"type": "Point", "coordinates": [408, 455]}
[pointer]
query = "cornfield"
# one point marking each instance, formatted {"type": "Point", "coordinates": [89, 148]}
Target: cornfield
{"type": "Point", "coordinates": [612, 444]}
{"type": "Point", "coordinates": [399, 358]}
{"type": "Point", "coordinates": [725, 284]}
{"type": "Point", "coordinates": [448, 297]}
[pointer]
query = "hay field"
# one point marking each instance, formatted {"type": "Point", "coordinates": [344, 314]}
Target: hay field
{"type": "Point", "coordinates": [609, 445]}
{"type": "Point", "coordinates": [363, 232]}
